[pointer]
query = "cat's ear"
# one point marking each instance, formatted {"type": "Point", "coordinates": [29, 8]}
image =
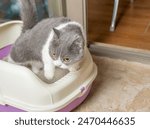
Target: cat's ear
{"type": "Point", "coordinates": [56, 32]}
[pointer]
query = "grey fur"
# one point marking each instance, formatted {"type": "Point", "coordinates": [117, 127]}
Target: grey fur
{"type": "Point", "coordinates": [30, 43]}
{"type": "Point", "coordinates": [28, 13]}
{"type": "Point", "coordinates": [70, 43]}
{"type": "Point", "coordinates": [66, 42]}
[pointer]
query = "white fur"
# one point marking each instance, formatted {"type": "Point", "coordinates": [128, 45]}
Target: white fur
{"type": "Point", "coordinates": [60, 64]}
{"type": "Point", "coordinates": [36, 66]}
{"type": "Point", "coordinates": [49, 68]}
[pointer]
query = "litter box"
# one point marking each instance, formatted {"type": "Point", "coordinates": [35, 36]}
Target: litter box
{"type": "Point", "coordinates": [22, 90]}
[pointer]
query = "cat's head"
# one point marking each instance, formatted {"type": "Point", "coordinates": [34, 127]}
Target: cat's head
{"type": "Point", "coordinates": [67, 45]}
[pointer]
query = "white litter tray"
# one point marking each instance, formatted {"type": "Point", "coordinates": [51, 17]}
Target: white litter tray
{"type": "Point", "coordinates": [22, 90]}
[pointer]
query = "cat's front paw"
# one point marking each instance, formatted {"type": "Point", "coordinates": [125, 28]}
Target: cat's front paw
{"type": "Point", "coordinates": [49, 75]}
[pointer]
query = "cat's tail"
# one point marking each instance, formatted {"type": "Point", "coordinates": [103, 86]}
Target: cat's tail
{"type": "Point", "coordinates": [28, 14]}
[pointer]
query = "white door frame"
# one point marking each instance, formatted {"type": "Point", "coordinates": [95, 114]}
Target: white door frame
{"type": "Point", "coordinates": [74, 9]}
{"type": "Point", "coordinates": [77, 10]}
{"type": "Point", "coordinates": [55, 8]}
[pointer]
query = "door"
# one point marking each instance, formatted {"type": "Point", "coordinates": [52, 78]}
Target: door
{"type": "Point", "coordinates": [77, 10]}
{"type": "Point", "coordinates": [56, 8]}
{"type": "Point", "coordinates": [132, 23]}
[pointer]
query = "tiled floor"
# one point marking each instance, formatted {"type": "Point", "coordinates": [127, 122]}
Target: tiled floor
{"type": "Point", "coordinates": [133, 23]}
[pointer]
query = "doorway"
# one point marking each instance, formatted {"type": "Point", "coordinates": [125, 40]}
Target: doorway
{"type": "Point", "coordinates": [133, 21]}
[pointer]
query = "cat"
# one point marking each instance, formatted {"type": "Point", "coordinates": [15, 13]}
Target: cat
{"type": "Point", "coordinates": [52, 42]}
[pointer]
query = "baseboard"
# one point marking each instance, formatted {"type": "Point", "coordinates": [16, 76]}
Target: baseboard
{"type": "Point", "coordinates": [113, 51]}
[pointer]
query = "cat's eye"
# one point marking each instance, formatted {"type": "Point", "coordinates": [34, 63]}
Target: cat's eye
{"type": "Point", "coordinates": [66, 59]}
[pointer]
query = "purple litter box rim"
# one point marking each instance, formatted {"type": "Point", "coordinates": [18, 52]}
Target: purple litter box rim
{"type": "Point", "coordinates": [76, 102]}
{"type": "Point", "coordinates": [5, 51]}
{"type": "Point", "coordinates": [68, 108]}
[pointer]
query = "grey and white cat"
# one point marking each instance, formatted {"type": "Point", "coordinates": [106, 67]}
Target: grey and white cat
{"type": "Point", "coordinates": [52, 42]}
